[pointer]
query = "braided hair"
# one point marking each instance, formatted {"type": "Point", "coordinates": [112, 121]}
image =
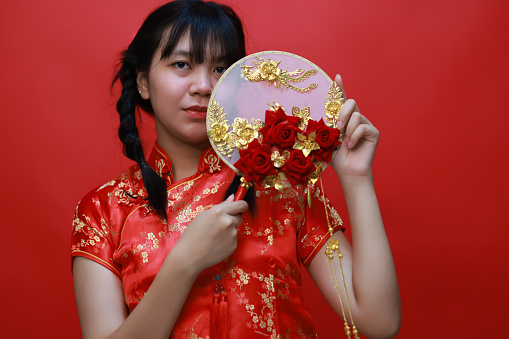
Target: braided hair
{"type": "Point", "coordinates": [209, 25]}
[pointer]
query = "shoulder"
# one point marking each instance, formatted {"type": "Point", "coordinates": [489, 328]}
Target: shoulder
{"type": "Point", "coordinates": [117, 195]}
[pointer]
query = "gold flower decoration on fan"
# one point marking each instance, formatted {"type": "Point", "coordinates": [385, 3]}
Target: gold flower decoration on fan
{"type": "Point", "coordinates": [219, 128]}
{"type": "Point", "coordinates": [225, 140]}
{"type": "Point", "coordinates": [334, 104]}
{"type": "Point", "coordinates": [303, 114]}
{"type": "Point", "coordinates": [244, 132]}
{"type": "Point", "coordinates": [278, 181]}
{"type": "Point", "coordinates": [275, 106]}
{"type": "Point", "coordinates": [271, 72]}
{"type": "Point", "coordinates": [279, 159]}
{"type": "Point", "coordinates": [306, 144]}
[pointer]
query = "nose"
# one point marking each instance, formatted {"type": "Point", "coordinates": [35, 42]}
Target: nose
{"type": "Point", "coordinates": [203, 82]}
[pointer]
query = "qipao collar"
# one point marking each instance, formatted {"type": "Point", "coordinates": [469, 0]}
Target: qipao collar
{"type": "Point", "coordinates": [160, 162]}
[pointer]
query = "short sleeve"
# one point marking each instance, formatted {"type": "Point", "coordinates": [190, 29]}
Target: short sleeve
{"type": "Point", "coordinates": [92, 234]}
{"type": "Point", "coordinates": [315, 231]}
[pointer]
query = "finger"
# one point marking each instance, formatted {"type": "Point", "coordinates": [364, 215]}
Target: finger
{"type": "Point", "coordinates": [237, 220]}
{"type": "Point", "coordinates": [339, 82]}
{"type": "Point", "coordinates": [349, 107]}
{"type": "Point", "coordinates": [230, 198]}
{"type": "Point", "coordinates": [366, 132]}
{"type": "Point", "coordinates": [235, 232]}
{"type": "Point", "coordinates": [233, 207]}
{"type": "Point", "coordinates": [355, 120]}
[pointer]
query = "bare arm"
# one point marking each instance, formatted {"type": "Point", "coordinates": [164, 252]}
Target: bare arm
{"type": "Point", "coordinates": [369, 268]}
{"type": "Point", "coordinates": [99, 295]}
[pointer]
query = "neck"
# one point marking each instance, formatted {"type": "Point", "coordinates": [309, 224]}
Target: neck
{"type": "Point", "coordinates": [184, 157]}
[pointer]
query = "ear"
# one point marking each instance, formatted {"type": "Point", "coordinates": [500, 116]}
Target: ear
{"type": "Point", "coordinates": [142, 82]}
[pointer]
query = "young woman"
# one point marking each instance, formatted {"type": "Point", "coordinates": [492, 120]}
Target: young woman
{"type": "Point", "coordinates": [156, 249]}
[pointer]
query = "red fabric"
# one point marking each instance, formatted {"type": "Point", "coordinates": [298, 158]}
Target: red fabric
{"type": "Point", "coordinates": [115, 227]}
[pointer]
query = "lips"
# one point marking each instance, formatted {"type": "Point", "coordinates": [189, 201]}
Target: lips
{"type": "Point", "coordinates": [196, 112]}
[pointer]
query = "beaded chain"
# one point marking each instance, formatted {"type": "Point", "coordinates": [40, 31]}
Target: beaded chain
{"type": "Point", "coordinates": [333, 247]}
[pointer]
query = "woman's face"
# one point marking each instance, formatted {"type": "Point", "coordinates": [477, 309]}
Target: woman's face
{"type": "Point", "coordinates": [179, 91]}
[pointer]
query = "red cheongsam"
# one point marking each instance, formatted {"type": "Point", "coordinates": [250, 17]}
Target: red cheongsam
{"type": "Point", "coordinates": [115, 227]}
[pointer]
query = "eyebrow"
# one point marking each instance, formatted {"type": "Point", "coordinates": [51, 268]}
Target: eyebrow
{"type": "Point", "coordinates": [187, 54]}
{"type": "Point", "coordinates": [181, 52]}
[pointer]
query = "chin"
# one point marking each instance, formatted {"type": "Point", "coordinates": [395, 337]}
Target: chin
{"type": "Point", "coordinates": [200, 143]}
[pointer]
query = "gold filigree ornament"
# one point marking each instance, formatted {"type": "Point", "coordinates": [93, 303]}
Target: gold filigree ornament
{"type": "Point", "coordinates": [244, 132]}
{"type": "Point", "coordinates": [334, 104]}
{"type": "Point", "coordinates": [333, 251]}
{"type": "Point", "coordinates": [278, 181]}
{"type": "Point", "coordinates": [275, 106]}
{"type": "Point", "coordinates": [303, 114]}
{"type": "Point", "coordinates": [269, 71]}
{"type": "Point", "coordinates": [279, 159]}
{"type": "Point", "coordinates": [218, 130]}
{"type": "Point", "coordinates": [306, 144]}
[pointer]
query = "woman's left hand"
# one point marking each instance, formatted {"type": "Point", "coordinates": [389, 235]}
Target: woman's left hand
{"type": "Point", "coordinates": [355, 156]}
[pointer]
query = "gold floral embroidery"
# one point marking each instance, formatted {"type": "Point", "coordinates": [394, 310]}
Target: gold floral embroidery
{"type": "Point", "coordinates": [95, 235]}
{"type": "Point", "coordinates": [336, 219]}
{"type": "Point", "coordinates": [243, 278]}
{"type": "Point", "coordinates": [155, 242]}
{"type": "Point", "coordinates": [283, 290]}
{"type": "Point", "coordinates": [213, 161]}
{"type": "Point", "coordinates": [189, 333]}
{"type": "Point", "coordinates": [262, 320]}
{"type": "Point", "coordinates": [126, 192]}
{"type": "Point", "coordinates": [182, 207]}
{"type": "Point", "coordinates": [211, 190]}
{"type": "Point", "coordinates": [160, 166]}
{"type": "Point", "coordinates": [298, 330]}
{"type": "Point", "coordinates": [268, 232]}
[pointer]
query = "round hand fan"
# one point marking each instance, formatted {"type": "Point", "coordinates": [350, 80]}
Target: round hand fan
{"type": "Point", "coordinates": [272, 118]}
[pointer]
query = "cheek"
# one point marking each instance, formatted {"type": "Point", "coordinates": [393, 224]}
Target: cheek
{"type": "Point", "coordinates": [215, 79]}
{"type": "Point", "coordinates": [165, 89]}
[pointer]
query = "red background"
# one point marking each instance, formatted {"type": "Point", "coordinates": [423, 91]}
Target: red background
{"type": "Point", "coordinates": [431, 75]}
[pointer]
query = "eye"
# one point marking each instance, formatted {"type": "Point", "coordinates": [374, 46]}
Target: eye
{"type": "Point", "coordinates": [220, 69]}
{"type": "Point", "coordinates": [181, 65]}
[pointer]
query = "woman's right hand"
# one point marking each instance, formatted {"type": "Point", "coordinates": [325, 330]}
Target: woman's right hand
{"type": "Point", "coordinates": [212, 236]}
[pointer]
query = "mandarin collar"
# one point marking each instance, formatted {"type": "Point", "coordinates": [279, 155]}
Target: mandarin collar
{"type": "Point", "coordinates": [160, 162]}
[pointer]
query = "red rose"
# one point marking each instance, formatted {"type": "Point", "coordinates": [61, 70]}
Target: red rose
{"type": "Point", "coordinates": [298, 167]}
{"type": "Point", "coordinates": [326, 137]}
{"type": "Point", "coordinates": [280, 129]}
{"type": "Point", "coordinates": [255, 162]}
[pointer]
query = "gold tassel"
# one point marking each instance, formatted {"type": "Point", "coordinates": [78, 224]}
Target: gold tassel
{"type": "Point", "coordinates": [333, 247]}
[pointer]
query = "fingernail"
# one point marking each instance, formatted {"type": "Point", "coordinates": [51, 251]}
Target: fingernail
{"type": "Point", "coordinates": [340, 124]}
{"type": "Point", "coordinates": [346, 140]}
{"type": "Point", "coordinates": [350, 144]}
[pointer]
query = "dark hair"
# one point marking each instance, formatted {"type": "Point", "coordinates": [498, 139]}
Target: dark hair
{"type": "Point", "coordinates": [210, 25]}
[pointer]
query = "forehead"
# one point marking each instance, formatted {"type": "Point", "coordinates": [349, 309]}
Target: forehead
{"type": "Point", "coordinates": [205, 50]}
